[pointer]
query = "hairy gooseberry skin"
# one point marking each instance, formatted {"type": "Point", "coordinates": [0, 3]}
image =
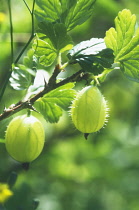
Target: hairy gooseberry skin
{"type": "Point", "coordinates": [89, 110]}
{"type": "Point", "coordinates": [24, 138]}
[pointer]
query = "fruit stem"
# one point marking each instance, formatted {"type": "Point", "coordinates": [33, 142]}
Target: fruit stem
{"type": "Point", "coordinates": [28, 112]}
{"type": "Point", "coordinates": [25, 166]}
{"type": "Point", "coordinates": [86, 135]}
{"type": "Point", "coordinates": [96, 81]}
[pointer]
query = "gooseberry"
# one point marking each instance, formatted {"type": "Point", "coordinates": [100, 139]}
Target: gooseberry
{"type": "Point", "coordinates": [89, 110]}
{"type": "Point", "coordinates": [24, 138]}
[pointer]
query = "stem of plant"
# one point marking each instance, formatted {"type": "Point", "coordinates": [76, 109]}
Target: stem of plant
{"type": "Point", "coordinates": [32, 31]}
{"type": "Point", "coordinates": [11, 30]}
{"type": "Point", "coordinates": [12, 50]}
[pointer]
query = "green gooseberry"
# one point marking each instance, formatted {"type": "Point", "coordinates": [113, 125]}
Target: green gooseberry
{"type": "Point", "coordinates": [89, 110]}
{"type": "Point", "coordinates": [25, 138]}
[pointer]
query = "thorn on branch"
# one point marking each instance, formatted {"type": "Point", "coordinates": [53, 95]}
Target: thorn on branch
{"type": "Point", "coordinates": [45, 83]}
{"type": "Point", "coordinates": [30, 106]}
{"type": "Point", "coordinates": [51, 85]}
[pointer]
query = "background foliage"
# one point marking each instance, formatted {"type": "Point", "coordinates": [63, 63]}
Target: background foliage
{"type": "Point", "coordinates": [71, 173]}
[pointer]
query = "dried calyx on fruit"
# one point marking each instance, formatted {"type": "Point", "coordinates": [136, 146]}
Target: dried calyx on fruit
{"type": "Point", "coordinates": [89, 110]}
{"type": "Point", "coordinates": [25, 138]}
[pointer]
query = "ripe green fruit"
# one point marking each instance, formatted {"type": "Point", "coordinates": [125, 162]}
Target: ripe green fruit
{"type": "Point", "coordinates": [25, 138]}
{"type": "Point", "coordinates": [89, 110]}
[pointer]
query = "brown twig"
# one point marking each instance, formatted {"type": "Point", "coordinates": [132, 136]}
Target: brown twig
{"type": "Point", "coordinates": [28, 104]}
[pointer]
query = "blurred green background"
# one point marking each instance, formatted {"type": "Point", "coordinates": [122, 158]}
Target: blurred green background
{"type": "Point", "coordinates": [101, 173]}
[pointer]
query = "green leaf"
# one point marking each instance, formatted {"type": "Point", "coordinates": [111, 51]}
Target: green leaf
{"type": "Point", "coordinates": [49, 10]}
{"type": "Point", "coordinates": [30, 61]}
{"type": "Point", "coordinates": [92, 55]}
{"type": "Point", "coordinates": [79, 13]}
{"type": "Point", "coordinates": [21, 77]}
{"type": "Point", "coordinates": [52, 40]}
{"type": "Point", "coordinates": [62, 96]}
{"type": "Point", "coordinates": [45, 50]}
{"type": "Point", "coordinates": [51, 105]}
{"type": "Point", "coordinates": [50, 111]}
{"type": "Point", "coordinates": [124, 41]}
{"type": "Point", "coordinates": [57, 34]}
{"type": "Point", "coordinates": [69, 12]}
{"type": "Point", "coordinates": [89, 47]}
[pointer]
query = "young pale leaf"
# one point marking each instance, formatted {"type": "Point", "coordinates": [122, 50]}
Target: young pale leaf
{"type": "Point", "coordinates": [45, 50]}
{"type": "Point", "coordinates": [69, 12]}
{"type": "Point", "coordinates": [51, 105]}
{"type": "Point", "coordinates": [40, 80]}
{"type": "Point", "coordinates": [57, 34]}
{"type": "Point", "coordinates": [124, 41]}
{"type": "Point", "coordinates": [21, 77]}
{"type": "Point", "coordinates": [92, 55]}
